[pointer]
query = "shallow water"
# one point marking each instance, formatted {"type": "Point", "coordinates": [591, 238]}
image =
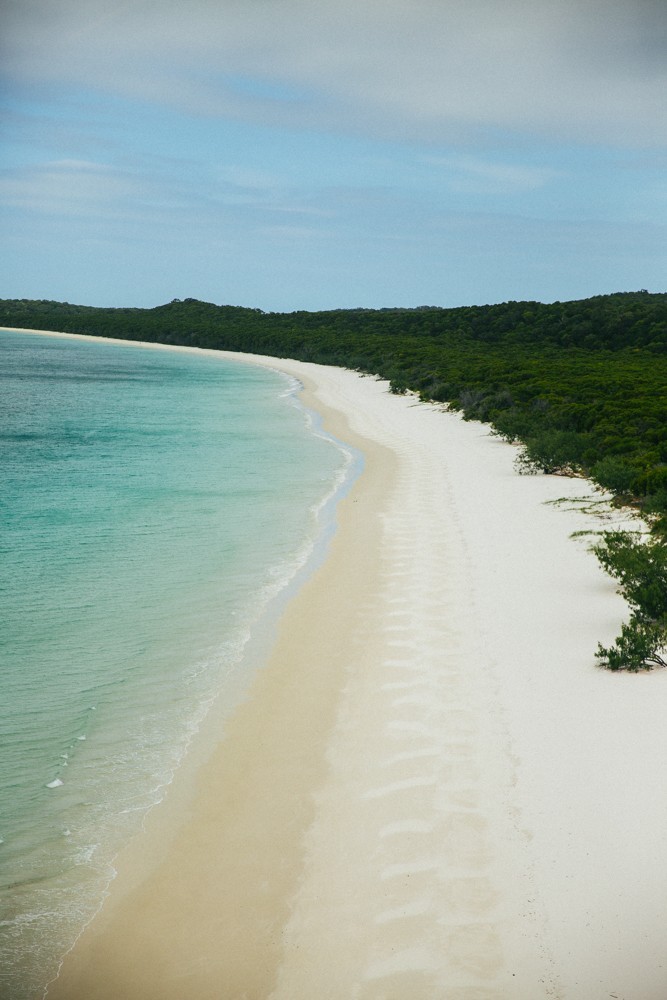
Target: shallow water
{"type": "Point", "coordinates": [152, 505]}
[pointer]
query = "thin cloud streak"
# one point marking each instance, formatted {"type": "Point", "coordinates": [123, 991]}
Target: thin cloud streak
{"type": "Point", "coordinates": [67, 187]}
{"type": "Point", "coordinates": [475, 175]}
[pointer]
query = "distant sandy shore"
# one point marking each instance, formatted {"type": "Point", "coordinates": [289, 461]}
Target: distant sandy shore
{"type": "Point", "coordinates": [431, 792]}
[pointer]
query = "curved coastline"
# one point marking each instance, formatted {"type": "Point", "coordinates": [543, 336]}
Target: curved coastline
{"type": "Point", "coordinates": [29, 962]}
{"type": "Point", "coordinates": [430, 790]}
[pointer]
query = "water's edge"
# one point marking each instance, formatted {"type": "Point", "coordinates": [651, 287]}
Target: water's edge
{"type": "Point", "coordinates": [254, 643]}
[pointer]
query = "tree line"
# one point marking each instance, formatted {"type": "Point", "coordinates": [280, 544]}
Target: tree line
{"type": "Point", "coordinates": [581, 385]}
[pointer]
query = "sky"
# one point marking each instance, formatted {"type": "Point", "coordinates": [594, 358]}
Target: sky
{"type": "Point", "coordinates": [321, 154]}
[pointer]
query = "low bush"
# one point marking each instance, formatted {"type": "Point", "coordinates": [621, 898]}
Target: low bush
{"type": "Point", "coordinates": [639, 564]}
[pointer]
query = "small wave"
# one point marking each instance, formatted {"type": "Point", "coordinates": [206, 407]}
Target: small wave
{"type": "Point", "coordinates": [293, 386]}
{"type": "Point", "coordinates": [85, 854]}
{"type": "Point", "coordinates": [56, 783]}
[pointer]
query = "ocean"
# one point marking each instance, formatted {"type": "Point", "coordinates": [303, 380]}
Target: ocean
{"type": "Point", "coordinates": [156, 507]}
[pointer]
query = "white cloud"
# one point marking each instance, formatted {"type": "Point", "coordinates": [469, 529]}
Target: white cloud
{"type": "Point", "coordinates": [67, 187]}
{"type": "Point", "coordinates": [291, 232]}
{"type": "Point", "coordinates": [478, 176]}
{"type": "Point", "coordinates": [249, 178]}
{"type": "Point", "coordinates": [589, 70]}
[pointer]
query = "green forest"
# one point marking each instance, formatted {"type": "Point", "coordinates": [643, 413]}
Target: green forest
{"type": "Point", "coordinates": [581, 385]}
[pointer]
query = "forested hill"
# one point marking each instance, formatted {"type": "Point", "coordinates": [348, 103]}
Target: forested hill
{"type": "Point", "coordinates": [583, 384]}
{"type": "Point", "coordinates": [604, 322]}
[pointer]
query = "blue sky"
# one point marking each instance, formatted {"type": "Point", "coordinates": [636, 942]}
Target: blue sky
{"type": "Point", "coordinates": [312, 154]}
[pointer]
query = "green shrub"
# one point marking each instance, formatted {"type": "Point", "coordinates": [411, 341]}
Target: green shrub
{"type": "Point", "coordinates": [552, 451]}
{"type": "Point", "coordinates": [640, 646]}
{"type": "Point", "coordinates": [614, 473]}
{"type": "Point", "coordinates": [639, 564]}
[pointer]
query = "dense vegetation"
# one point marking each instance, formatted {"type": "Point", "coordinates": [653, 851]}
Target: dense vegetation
{"type": "Point", "coordinates": [583, 385]}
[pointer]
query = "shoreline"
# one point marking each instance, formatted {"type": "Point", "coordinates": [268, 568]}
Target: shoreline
{"type": "Point", "coordinates": [257, 847]}
{"type": "Point", "coordinates": [431, 791]}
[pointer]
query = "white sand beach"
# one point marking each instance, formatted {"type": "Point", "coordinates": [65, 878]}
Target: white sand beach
{"type": "Point", "coordinates": [431, 791]}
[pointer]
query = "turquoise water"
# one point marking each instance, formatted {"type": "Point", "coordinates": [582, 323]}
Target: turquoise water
{"type": "Point", "coordinates": [153, 504]}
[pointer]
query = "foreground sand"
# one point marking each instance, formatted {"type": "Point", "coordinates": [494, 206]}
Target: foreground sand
{"type": "Point", "coordinates": [430, 791]}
